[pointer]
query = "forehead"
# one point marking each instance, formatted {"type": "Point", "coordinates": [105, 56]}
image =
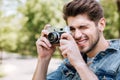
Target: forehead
{"type": "Point", "coordinates": [78, 20]}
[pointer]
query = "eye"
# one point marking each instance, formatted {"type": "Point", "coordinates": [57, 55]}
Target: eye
{"type": "Point", "coordinates": [72, 29]}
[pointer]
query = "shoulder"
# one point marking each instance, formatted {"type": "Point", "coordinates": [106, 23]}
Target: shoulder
{"type": "Point", "coordinates": [114, 43]}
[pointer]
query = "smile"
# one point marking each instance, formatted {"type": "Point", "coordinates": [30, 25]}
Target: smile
{"type": "Point", "coordinates": [82, 42]}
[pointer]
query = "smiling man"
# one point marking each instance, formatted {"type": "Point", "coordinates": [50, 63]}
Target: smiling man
{"type": "Point", "coordinates": [87, 54]}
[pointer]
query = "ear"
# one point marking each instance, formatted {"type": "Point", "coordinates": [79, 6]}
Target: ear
{"type": "Point", "coordinates": [101, 24]}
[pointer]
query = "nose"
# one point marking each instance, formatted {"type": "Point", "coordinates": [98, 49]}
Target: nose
{"type": "Point", "coordinates": [77, 34]}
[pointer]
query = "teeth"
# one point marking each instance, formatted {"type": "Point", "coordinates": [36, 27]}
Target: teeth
{"type": "Point", "coordinates": [81, 42]}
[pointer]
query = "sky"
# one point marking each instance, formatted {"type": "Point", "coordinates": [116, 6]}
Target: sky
{"type": "Point", "coordinates": [9, 7]}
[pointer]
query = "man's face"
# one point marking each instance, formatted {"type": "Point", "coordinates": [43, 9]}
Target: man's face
{"type": "Point", "coordinates": [84, 31]}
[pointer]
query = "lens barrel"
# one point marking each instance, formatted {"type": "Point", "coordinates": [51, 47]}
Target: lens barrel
{"type": "Point", "coordinates": [54, 37]}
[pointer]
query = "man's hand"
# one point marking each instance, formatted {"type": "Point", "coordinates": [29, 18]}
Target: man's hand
{"type": "Point", "coordinates": [70, 49]}
{"type": "Point", "coordinates": [44, 48]}
{"type": "Point", "coordinates": [45, 51]}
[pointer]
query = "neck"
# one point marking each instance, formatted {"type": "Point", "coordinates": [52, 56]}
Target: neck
{"type": "Point", "coordinates": [101, 46]}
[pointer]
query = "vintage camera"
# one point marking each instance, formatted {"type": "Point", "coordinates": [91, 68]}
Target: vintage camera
{"type": "Point", "coordinates": [54, 36]}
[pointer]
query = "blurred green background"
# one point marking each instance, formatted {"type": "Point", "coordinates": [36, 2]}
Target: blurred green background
{"type": "Point", "coordinates": [21, 22]}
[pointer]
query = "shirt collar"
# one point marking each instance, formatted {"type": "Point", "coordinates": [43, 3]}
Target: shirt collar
{"type": "Point", "coordinates": [114, 45]}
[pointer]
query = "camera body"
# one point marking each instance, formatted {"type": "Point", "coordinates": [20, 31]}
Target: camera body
{"type": "Point", "coordinates": [55, 35]}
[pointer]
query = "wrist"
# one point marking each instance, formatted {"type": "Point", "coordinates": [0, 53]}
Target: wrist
{"type": "Point", "coordinates": [45, 59]}
{"type": "Point", "coordinates": [42, 68]}
{"type": "Point", "coordinates": [80, 65]}
{"type": "Point", "coordinates": [84, 72]}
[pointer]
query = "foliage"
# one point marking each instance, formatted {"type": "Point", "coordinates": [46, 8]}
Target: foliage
{"type": "Point", "coordinates": [7, 34]}
{"type": "Point", "coordinates": [111, 15]}
{"type": "Point", "coordinates": [37, 14]}
{"type": "Point", "coordinates": [9, 26]}
{"type": "Point", "coordinates": [8, 39]}
{"type": "Point", "coordinates": [118, 9]}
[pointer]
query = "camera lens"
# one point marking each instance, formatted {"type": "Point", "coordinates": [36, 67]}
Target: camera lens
{"type": "Point", "coordinates": [53, 37]}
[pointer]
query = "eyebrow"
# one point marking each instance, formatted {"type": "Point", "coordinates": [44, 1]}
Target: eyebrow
{"type": "Point", "coordinates": [80, 25]}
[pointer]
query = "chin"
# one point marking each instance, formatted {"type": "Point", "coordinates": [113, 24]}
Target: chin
{"type": "Point", "coordinates": [84, 50]}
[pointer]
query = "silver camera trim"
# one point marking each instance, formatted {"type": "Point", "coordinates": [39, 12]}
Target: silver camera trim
{"type": "Point", "coordinates": [64, 29]}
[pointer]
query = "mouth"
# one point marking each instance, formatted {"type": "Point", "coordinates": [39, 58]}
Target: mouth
{"type": "Point", "coordinates": [82, 42]}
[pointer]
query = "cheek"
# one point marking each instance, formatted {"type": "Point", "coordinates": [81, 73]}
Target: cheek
{"type": "Point", "coordinates": [92, 34]}
{"type": "Point", "coordinates": [88, 32]}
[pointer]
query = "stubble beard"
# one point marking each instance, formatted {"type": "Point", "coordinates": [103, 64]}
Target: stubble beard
{"type": "Point", "coordinates": [92, 46]}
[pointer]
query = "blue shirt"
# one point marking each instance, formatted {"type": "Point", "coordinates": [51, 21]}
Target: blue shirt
{"type": "Point", "coordinates": [106, 65]}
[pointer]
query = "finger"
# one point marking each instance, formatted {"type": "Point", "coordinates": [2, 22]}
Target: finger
{"type": "Point", "coordinates": [63, 42]}
{"type": "Point", "coordinates": [66, 36]}
{"type": "Point", "coordinates": [42, 42]}
{"type": "Point", "coordinates": [44, 39]}
{"type": "Point", "coordinates": [47, 26]}
{"type": "Point", "coordinates": [62, 48]}
{"type": "Point", "coordinates": [44, 33]}
{"type": "Point", "coordinates": [64, 53]}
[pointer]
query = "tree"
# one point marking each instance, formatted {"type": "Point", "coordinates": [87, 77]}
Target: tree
{"type": "Point", "coordinates": [111, 15]}
{"type": "Point", "coordinates": [38, 13]}
{"type": "Point", "coordinates": [118, 6]}
{"type": "Point", "coordinates": [9, 25]}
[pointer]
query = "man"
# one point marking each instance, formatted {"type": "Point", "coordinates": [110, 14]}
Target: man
{"type": "Point", "coordinates": [86, 22]}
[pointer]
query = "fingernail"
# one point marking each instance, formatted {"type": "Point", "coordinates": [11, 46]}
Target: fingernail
{"type": "Point", "coordinates": [49, 45]}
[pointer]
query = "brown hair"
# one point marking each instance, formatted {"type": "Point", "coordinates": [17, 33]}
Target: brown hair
{"type": "Point", "coordinates": [89, 7]}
